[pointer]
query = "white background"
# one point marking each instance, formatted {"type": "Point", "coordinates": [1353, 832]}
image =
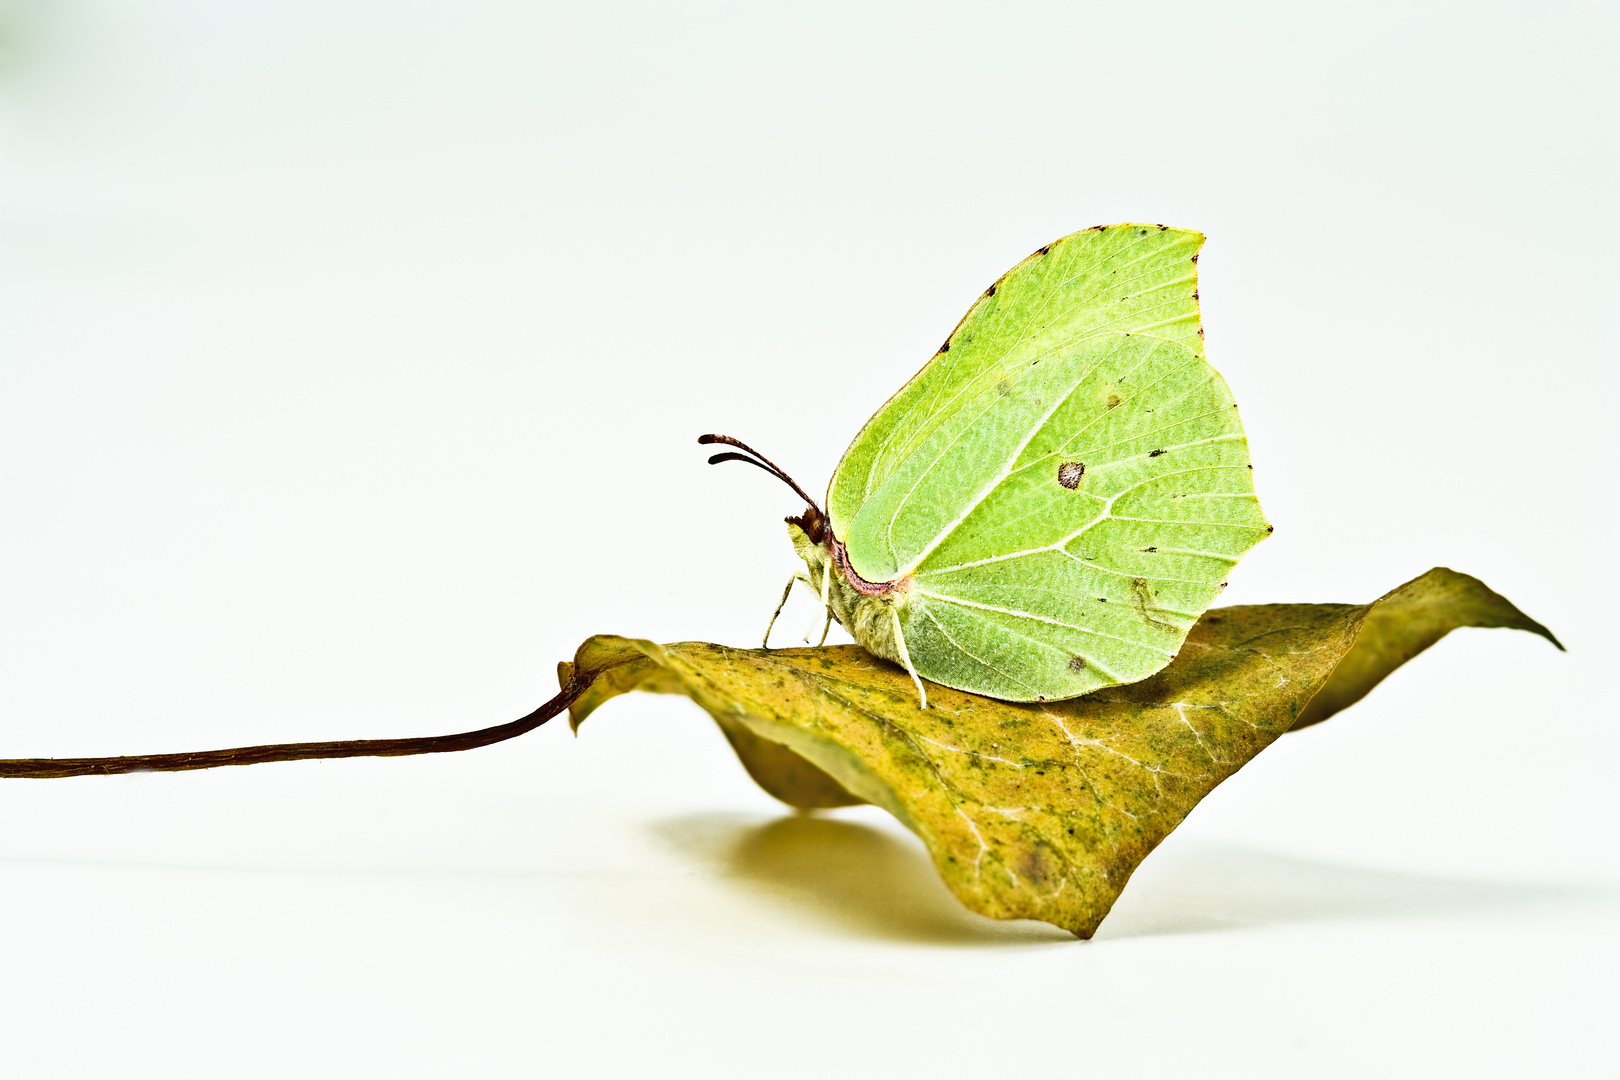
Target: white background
{"type": "Point", "coordinates": [351, 357]}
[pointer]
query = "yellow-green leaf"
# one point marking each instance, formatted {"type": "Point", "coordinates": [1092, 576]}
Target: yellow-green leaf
{"type": "Point", "coordinates": [1043, 810]}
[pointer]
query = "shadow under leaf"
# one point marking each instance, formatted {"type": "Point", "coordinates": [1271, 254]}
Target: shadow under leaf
{"type": "Point", "coordinates": [860, 879]}
{"type": "Point", "coordinates": [868, 882]}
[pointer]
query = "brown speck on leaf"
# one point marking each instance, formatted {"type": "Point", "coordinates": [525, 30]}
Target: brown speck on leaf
{"type": "Point", "coordinates": [1155, 453]}
{"type": "Point", "coordinates": [1113, 401]}
{"type": "Point", "coordinates": [1149, 550]}
{"type": "Point", "coordinates": [991, 291]}
{"type": "Point", "coordinates": [1044, 250]}
{"type": "Point", "coordinates": [1200, 331]}
{"type": "Point", "coordinates": [1195, 258]}
{"type": "Point", "coordinates": [1077, 664]}
{"type": "Point", "coordinates": [1248, 466]}
{"type": "Point", "coordinates": [945, 347]}
{"type": "Point", "coordinates": [1102, 599]}
{"type": "Point", "coordinates": [1070, 472]}
{"type": "Point", "coordinates": [1270, 529]}
{"type": "Point", "coordinates": [1195, 294]}
{"type": "Point", "coordinates": [1163, 227]}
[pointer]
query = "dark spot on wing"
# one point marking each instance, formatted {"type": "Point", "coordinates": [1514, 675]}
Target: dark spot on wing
{"type": "Point", "coordinates": [1155, 453]}
{"type": "Point", "coordinates": [1077, 664]}
{"type": "Point", "coordinates": [1070, 472]}
{"type": "Point", "coordinates": [1113, 401]}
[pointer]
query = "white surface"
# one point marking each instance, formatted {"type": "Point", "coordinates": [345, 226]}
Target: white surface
{"type": "Point", "coordinates": [350, 361]}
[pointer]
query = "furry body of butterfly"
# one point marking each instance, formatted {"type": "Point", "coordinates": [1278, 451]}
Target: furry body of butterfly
{"type": "Point", "coordinates": [870, 619]}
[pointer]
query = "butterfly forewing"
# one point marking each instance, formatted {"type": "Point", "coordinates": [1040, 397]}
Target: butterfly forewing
{"type": "Point", "coordinates": [1138, 278]}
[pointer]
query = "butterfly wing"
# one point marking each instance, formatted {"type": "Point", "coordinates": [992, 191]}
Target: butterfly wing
{"type": "Point", "coordinates": [1066, 482]}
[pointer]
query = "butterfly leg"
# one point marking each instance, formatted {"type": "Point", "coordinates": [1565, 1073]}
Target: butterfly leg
{"type": "Point", "coordinates": [905, 657]}
{"type": "Point", "coordinates": [824, 595]}
{"type": "Point", "coordinates": [766, 644]}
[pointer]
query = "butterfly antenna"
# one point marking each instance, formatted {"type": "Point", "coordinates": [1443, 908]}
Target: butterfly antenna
{"type": "Point", "coordinates": [757, 459]}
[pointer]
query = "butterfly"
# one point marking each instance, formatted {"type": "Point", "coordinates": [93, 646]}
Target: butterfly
{"type": "Point", "coordinates": [1048, 506]}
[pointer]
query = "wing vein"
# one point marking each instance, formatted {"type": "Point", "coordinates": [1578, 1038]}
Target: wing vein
{"type": "Point", "coordinates": [1014, 613]}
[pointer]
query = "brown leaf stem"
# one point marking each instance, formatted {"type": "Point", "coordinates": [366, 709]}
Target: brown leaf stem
{"type": "Point", "coordinates": [53, 768]}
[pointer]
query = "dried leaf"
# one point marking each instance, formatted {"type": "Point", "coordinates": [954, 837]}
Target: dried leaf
{"type": "Point", "coordinates": [1043, 810]}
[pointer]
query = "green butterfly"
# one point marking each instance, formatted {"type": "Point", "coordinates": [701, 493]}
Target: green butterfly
{"type": "Point", "coordinates": [1048, 506]}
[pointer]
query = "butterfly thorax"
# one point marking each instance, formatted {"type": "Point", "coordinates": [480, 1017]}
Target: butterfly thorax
{"type": "Point", "coordinates": [862, 607]}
